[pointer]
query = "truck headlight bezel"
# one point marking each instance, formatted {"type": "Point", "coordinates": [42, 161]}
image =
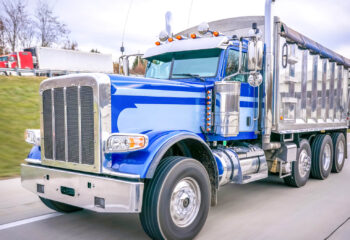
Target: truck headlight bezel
{"type": "Point", "coordinates": [125, 142]}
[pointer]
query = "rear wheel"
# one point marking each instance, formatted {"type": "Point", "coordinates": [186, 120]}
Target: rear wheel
{"type": "Point", "coordinates": [301, 166]}
{"type": "Point", "coordinates": [58, 206]}
{"type": "Point", "coordinates": [176, 200]}
{"type": "Point", "coordinates": [339, 147]}
{"type": "Point", "coordinates": [322, 156]}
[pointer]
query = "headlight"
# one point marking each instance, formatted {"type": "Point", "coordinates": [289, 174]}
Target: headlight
{"type": "Point", "coordinates": [32, 136]}
{"type": "Point", "coordinates": [125, 142]}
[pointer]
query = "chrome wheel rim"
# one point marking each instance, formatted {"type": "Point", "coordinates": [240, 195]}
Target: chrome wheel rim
{"type": "Point", "coordinates": [326, 157]}
{"type": "Point", "coordinates": [304, 163]}
{"type": "Point", "coordinates": [340, 157]}
{"type": "Point", "coordinates": [185, 202]}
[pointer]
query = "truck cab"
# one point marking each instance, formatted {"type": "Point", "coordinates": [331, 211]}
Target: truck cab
{"type": "Point", "coordinates": [22, 60]}
{"type": "Point", "coordinates": [206, 61]}
{"type": "Point", "coordinates": [4, 61]}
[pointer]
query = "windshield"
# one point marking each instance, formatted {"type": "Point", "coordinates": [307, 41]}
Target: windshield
{"type": "Point", "coordinates": [201, 63]}
{"type": "Point", "coordinates": [3, 59]}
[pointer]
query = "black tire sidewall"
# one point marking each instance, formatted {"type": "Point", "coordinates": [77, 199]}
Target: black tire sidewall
{"type": "Point", "coordinates": [301, 181]}
{"type": "Point", "coordinates": [186, 168]}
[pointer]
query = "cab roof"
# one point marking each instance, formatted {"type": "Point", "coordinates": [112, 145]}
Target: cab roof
{"type": "Point", "coordinates": [189, 44]}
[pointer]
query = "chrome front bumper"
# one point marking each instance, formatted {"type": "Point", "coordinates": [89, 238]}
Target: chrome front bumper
{"type": "Point", "coordinates": [87, 191]}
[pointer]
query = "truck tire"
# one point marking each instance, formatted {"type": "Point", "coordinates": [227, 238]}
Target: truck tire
{"type": "Point", "coordinates": [58, 206]}
{"type": "Point", "coordinates": [176, 200]}
{"type": "Point", "coordinates": [339, 150]}
{"type": "Point", "coordinates": [301, 166]}
{"type": "Point", "coordinates": [322, 156]}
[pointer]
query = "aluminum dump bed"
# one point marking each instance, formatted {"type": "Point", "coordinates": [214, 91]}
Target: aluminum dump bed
{"type": "Point", "coordinates": [310, 84]}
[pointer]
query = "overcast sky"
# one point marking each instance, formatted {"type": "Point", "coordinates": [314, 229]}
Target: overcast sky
{"type": "Point", "coordinates": [99, 24]}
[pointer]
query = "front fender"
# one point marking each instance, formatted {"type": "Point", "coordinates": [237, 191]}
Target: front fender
{"type": "Point", "coordinates": [35, 153]}
{"type": "Point", "coordinates": [145, 162]}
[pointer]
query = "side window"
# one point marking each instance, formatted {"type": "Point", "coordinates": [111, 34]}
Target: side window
{"type": "Point", "coordinates": [232, 65]}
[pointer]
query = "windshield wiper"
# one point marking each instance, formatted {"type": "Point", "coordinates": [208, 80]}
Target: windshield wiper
{"type": "Point", "coordinates": [189, 75]}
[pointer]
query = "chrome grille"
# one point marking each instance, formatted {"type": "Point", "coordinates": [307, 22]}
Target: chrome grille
{"type": "Point", "coordinates": [73, 124]}
{"type": "Point", "coordinates": [47, 117]}
{"type": "Point", "coordinates": [68, 123]}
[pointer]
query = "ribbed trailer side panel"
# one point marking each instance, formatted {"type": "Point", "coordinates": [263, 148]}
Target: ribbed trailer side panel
{"type": "Point", "coordinates": [311, 91]}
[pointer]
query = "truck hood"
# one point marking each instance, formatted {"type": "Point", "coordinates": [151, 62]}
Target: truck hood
{"type": "Point", "coordinates": [140, 105]}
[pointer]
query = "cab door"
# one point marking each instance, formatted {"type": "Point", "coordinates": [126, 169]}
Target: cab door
{"type": "Point", "coordinates": [248, 120]}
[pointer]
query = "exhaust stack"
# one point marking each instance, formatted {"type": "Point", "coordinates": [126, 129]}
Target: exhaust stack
{"type": "Point", "coordinates": [266, 139]}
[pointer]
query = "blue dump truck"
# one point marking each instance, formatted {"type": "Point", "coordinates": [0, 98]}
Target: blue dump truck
{"type": "Point", "coordinates": [210, 110]}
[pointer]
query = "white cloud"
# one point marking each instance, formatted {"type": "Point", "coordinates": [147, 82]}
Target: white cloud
{"type": "Point", "coordinates": [344, 50]}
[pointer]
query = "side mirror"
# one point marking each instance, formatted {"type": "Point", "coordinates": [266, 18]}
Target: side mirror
{"type": "Point", "coordinates": [255, 55]}
{"type": "Point", "coordinates": [260, 54]}
{"type": "Point", "coordinates": [126, 66]}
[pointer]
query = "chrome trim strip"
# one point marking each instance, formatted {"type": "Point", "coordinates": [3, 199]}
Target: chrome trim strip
{"type": "Point", "coordinates": [268, 25]}
{"type": "Point", "coordinates": [53, 124]}
{"type": "Point", "coordinates": [79, 123]}
{"type": "Point", "coordinates": [275, 81]}
{"type": "Point", "coordinates": [65, 125]}
{"type": "Point", "coordinates": [118, 195]}
{"type": "Point", "coordinates": [33, 161]}
{"type": "Point", "coordinates": [309, 128]}
{"type": "Point", "coordinates": [117, 174]}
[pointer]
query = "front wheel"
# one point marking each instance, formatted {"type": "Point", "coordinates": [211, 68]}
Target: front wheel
{"type": "Point", "coordinates": [176, 200]}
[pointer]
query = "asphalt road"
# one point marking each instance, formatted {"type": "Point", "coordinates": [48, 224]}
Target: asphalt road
{"type": "Point", "coordinates": [263, 210]}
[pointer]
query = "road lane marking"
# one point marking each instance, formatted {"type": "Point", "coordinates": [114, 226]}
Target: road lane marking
{"type": "Point", "coordinates": [29, 220]}
{"type": "Point", "coordinates": [337, 228]}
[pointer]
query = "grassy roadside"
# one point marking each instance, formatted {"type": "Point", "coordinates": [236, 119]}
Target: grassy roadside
{"type": "Point", "coordinates": [19, 109]}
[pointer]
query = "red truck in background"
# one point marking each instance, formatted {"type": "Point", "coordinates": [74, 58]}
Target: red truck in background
{"type": "Point", "coordinates": [22, 60]}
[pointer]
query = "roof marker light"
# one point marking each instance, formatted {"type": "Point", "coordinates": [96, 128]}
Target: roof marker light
{"type": "Point", "coordinates": [216, 34]}
{"type": "Point", "coordinates": [170, 39]}
{"type": "Point", "coordinates": [193, 35]}
{"type": "Point", "coordinates": [157, 43]}
{"type": "Point", "coordinates": [178, 37]}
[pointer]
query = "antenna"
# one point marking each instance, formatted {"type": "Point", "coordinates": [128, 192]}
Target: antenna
{"type": "Point", "coordinates": [189, 14]}
{"type": "Point", "coordinates": [122, 48]}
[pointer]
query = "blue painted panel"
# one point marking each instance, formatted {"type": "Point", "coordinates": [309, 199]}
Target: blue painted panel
{"type": "Point", "coordinates": [219, 165]}
{"type": "Point", "coordinates": [139, 109]}
{"type": "Point", "coordinates": [138, 162]}
{"type": "Point", "coordinates": [35, 153]}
